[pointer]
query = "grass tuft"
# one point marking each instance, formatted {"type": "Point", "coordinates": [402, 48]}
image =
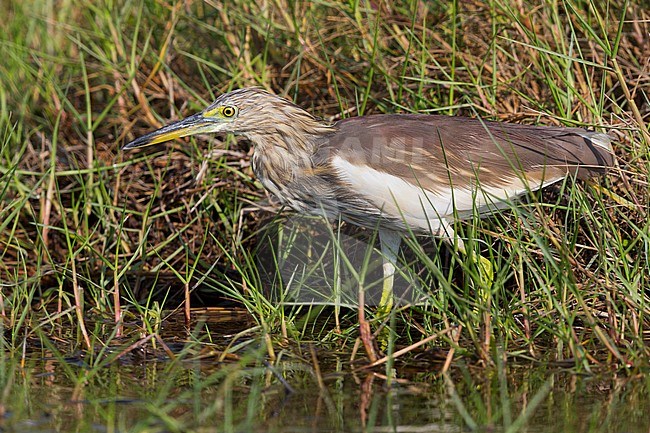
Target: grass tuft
{"type": "Point", "coordinates": [85, 227]}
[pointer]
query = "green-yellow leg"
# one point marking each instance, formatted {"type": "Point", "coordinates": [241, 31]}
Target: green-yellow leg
{"type": "Point", "coordinates": [390, 242]}
{"type": "Point", "coordinates": [485, 269]}
{"type": "Point", "coordinates": [386, 302]}
{"type": "Point", "coordinates": [483, 286]}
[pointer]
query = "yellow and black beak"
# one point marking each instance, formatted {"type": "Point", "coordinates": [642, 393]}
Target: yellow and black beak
{"type": "Point", "coordinates": [192, 125]}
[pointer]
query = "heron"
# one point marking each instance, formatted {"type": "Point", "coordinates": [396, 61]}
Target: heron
{"type": "Point", "coordinates": [394, 172]}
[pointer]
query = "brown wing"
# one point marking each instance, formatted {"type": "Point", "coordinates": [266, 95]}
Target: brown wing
{"type": "Point", "coordinates": [434, 151]}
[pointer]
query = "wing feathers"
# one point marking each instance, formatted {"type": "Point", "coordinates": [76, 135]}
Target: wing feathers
{"type": "Point", "coordinates": [439, 150]}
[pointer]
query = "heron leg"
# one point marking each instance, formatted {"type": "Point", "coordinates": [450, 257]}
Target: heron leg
{"type": "Point", "coordinates": [390, 241]}
{"type": "Point", "coordinates": [485, 268]}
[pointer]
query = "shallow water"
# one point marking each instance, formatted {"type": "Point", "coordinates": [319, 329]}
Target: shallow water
{"type": "Point", "coordinates": [204, 390]}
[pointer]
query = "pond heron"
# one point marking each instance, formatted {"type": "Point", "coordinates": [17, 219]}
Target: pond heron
{"type": "Point", "coordinates": [394, 172]}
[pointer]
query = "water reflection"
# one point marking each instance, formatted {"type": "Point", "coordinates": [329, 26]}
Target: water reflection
{"type": "Point", "coordinates": [218, 376]}
{"type": "Point", "coordinates": [208, 393]}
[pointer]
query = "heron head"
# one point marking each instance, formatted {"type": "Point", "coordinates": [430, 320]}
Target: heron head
{"type": "Point", "coordinates": [248, 112]}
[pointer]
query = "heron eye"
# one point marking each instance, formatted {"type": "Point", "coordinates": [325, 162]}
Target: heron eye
{"type": "Point", "coordinates": [228, 111]}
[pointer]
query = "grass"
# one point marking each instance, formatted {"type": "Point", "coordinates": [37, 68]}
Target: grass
{"type": "Point", "coordinates": [81, 221]}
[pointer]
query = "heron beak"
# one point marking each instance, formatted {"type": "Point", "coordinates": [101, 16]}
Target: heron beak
{"type": "Point", "coordinates": [195, 124]}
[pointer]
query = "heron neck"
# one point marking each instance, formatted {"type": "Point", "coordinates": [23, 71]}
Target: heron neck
{"type": "Point", "coordinates": [279, 158]}
{"type": "Point", "coordinates": [290, 153]}
{"type": "Point", "coordinates": [292, 143]}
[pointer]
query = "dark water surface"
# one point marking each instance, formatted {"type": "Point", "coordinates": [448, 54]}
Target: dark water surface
{"type": "Point", "coordinates": [307, 388]}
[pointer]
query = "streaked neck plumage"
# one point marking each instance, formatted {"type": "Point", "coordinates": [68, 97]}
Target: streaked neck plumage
{"type": "Point", "coordinates": [284, 150]}
{"type": "Point", "coordinates": [289, 127]}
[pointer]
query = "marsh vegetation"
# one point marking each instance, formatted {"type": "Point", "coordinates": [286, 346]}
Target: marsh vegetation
{"type": "Point", "coordinates": [559, 335]}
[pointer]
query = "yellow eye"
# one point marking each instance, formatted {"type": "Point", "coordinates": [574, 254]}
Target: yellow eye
{"type": "Point", "coordinates": [228, 111]}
